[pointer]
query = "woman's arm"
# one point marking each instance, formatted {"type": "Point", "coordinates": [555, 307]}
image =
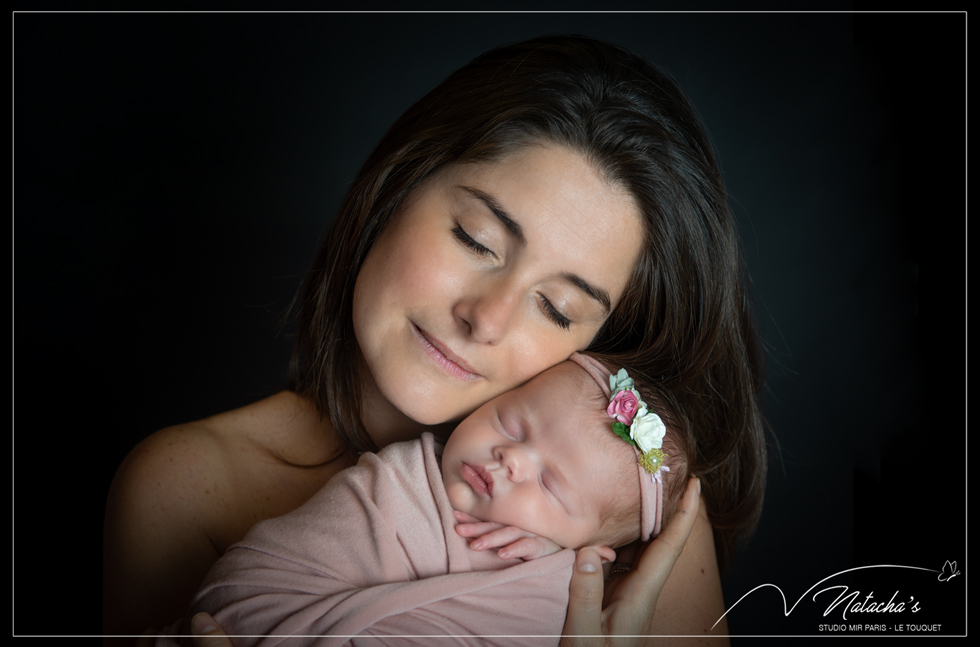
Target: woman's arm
{"type": "Point", "coordinates": [186, 493]}
{"type": "Point", "coordinates": [691, 600]}
{"type": "Point", "coordinates": [156, 548]}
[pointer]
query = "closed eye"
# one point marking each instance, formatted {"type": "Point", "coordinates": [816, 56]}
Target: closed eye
{"type": "Point", "coordinates": [552, 312]}
{"type": "Point", "coordinates": [505, 431]}
{"type": "Point", "coordinates": [468, 240]}
{"type": "Point", "coordinates": [550, 489]}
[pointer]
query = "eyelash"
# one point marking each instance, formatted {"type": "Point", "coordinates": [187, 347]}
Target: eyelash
{"type": "Point", "coordinates": [561, 320]}
{"type": "Point", "coordinates": [467, 240]}
{"type": "Point", "coordinates": [552, 313]}
{"type": "Point", "coordinates": [549, 489]}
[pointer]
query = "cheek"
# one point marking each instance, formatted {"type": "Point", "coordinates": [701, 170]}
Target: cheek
{"type": "Point", "coordinates": [539, 347]}
{"type": "Point", "coordinates": [424, 266]}
{"type": "Point", "coordinates": [404, 270]}
{"type": "Point", "coordinates": [531, 512]}
{"type": "Point", "coordinates": [459, 498]}
{"type": "Point", "coordinates": [451, 453]}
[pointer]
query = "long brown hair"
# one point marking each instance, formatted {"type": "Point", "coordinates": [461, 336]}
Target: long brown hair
{"type": "Point", "coordinates": [684, 321]}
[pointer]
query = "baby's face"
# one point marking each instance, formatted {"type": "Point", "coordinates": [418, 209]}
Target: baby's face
{"type": "Point", "coordinates": [532, 458]}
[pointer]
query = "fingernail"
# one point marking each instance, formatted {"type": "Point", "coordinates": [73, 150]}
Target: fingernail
{"type": "Point", "coordinates": [699, 486]}
{"type": "Point", "coordinates": [503, 554]}
{"type": "Point", "coordinates": [586, 561]}
{"type": "Point", "coordinates": [477, 545]}
{"type": "Point", "coordinates": [202, 623]}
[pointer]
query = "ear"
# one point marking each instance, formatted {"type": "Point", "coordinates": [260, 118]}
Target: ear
{"type": "Point", "coordinates": [606, 553]}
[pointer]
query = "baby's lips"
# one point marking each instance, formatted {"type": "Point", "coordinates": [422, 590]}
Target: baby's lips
{"type": "Point", "coordinates": [487, 477]}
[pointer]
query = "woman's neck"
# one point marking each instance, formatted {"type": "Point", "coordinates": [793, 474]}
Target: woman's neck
{"type": "Point", "coordinates": [386, 424]}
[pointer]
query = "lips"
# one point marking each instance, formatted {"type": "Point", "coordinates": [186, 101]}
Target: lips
{"type": "Point", "coordinates": [443, 356]}
{"type": "Point", "coordinates": [478, 477]}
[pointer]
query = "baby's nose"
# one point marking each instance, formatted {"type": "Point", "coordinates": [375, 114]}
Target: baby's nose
{"type": "Point", "coordinates": [515, 462]}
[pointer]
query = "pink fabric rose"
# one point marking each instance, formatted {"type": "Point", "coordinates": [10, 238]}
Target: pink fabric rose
{"type": "Point", "coordinates": [624, 406]}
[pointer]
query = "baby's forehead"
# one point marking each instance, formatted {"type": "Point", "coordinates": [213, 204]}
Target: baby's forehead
{"type": "Point", "coordinates": [569, 385]}
{"type": "Point", "coordinates": [573, 397]}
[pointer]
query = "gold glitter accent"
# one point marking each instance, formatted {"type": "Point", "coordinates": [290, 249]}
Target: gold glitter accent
{"type": "Point", "coordinates": [652, 460]}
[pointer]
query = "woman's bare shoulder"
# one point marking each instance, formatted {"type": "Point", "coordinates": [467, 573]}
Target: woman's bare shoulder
{"type": "Point", "coordinates": [176, 464]}
{"type": "Point", "coordinates": [211, 472]}
{"type": "Point", "coordinates": [187, 492]}
{"type": "Point", "coordinates": [691, 600]}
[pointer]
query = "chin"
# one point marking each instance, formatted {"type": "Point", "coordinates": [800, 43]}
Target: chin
{"type": "Point", "coordinates": [416, 398]}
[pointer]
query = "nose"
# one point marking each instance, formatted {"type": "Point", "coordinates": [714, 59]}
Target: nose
{"type": "Point", "coordinates": [489, 310]}
{"type": "Point", "coordinates": [515, 461]}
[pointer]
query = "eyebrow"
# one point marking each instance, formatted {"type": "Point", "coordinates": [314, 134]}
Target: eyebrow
{"type": "Point", "coordinates": [502, 216]}
{"type": "Point", "coordinates": [595, 293]}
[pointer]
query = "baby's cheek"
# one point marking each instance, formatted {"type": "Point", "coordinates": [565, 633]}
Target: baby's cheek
{"type": "Point", "coordinates": [459, 498]}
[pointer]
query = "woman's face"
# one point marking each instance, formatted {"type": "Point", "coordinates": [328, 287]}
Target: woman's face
{"type": "Point", "coordinates": [489, 274]}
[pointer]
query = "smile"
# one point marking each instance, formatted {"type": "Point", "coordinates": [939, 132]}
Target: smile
{"type": "Point", "coordinates": [478, 477]}
{"type": "Point", "coordinates": [440, 353]}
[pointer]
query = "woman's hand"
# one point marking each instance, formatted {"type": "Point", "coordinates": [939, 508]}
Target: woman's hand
{"type": "Point", "coordinates": [629, 611]}
{"type": "Point", "coordinates": [205, 632]}
{"type": "Point", "coordinates": [512, 541]}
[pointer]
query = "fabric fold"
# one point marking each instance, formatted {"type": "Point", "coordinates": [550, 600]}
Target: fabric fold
{"type": "Point", "coordinates": [374, 555]}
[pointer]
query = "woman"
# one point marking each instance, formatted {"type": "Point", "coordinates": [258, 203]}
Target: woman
{"type": "Point", "coordinates": [552, 196]}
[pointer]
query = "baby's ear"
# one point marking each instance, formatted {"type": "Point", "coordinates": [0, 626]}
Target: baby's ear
{"type": "Point", "coordinates": [606, 553]}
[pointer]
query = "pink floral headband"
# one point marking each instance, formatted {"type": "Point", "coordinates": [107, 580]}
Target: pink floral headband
{"type": "Point", "coordinates": [643, 430]}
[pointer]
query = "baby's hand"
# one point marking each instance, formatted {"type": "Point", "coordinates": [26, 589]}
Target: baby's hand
{"type": "Point", "coordinates": [512, 541]}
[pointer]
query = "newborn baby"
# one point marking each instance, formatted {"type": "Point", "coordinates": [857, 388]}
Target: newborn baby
{"type": "Point", "coordinates": [574, 456]}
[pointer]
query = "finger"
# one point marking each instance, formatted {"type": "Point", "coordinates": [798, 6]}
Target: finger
{"type": "Point", "coordinates": [606, 554]}
{"type": "Point", "coordinates": [207, 633]}
{"type": "Point", "coordinates": [462, 517]}
{"type": "Point", "coordinates": [477, 529]}
{"type": "Point", "coordinates": [525, 548]}
{"type": "Point", "coordinates": [659, 558]}
{"type": "Point", "coordinates": [500, 537]}
{"type": "Point", "coordinates": [584, 600]}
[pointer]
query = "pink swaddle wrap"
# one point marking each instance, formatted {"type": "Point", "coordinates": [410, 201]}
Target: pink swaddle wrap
{"type": "Point", "coordinates": [374, 555]}
{"type": "Point", "coordinates": [651, 488]}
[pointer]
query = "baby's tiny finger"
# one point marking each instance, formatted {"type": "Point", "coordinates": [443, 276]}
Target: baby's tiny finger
{"type": "Point", "coordinates": [524, 548]}
{"type": "Point", "coordinates": [476, 529]}
{"type": "Point", "coordinates": [462, 517]}
{"type": "Point", "coordinates": [499, 537]}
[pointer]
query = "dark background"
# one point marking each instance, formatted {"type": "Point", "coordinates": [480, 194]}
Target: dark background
{"type": "Point", "coordinates": [175, 172]}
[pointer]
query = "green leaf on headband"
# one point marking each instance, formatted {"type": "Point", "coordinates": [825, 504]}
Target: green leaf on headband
{"type": "Point", "coordinates": [623, 432]}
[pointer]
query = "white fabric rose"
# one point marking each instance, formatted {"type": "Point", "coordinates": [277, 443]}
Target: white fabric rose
{"type": "Point", "coordinates": [647, 430]}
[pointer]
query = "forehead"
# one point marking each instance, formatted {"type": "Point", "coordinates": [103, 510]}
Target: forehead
{"type": "Point", "coordinates": [566, 386]}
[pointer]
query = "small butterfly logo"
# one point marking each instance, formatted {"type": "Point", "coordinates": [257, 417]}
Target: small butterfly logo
{"type": "Point", "coordinates": [949, 571]}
